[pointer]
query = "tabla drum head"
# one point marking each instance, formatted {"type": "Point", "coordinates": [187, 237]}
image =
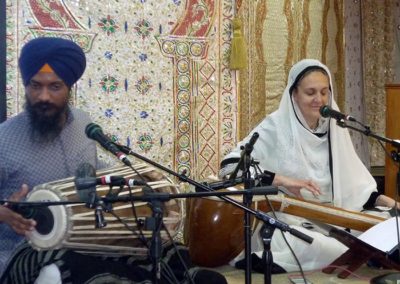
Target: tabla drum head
{"type": "Point", "coordinates": [53, 226]}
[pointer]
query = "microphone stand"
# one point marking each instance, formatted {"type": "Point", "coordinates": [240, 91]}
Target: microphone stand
{"type": "Point", "coordinates": [395, 155]}
{"type": "Point", "coordinates": [266, 233]}
{"type": "Point", "coordinates": [157, 198]}
{"type": "Point", "coordinates": [367, 132]}
{"type": "Point", "coordinates": [268, 220]}
{"type": "Point", "coordinates": [16, 205]}
{"type": "Point", "coordinates": [154, 224]}
{"type": "Point", "coordinates": [244, 163]}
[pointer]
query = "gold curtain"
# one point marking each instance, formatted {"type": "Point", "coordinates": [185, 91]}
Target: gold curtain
{"type": "Point", "coordinates": [251, 81]}
{"type": "Point", "coordinates": [278, 34]}
{"type": "Point", "coordinates": [378, 43]}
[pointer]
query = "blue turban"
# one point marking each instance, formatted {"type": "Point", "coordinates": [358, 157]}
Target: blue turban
{"type": "Point", "coordinates": [65, 57]}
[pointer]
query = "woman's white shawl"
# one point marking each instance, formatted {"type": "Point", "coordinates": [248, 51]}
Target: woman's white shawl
{"type": "Point", "coordinates": [288, 148]}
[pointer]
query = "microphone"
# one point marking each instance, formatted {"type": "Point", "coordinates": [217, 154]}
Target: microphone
{"type": "Point", "coordinates": [94, 131]}
{"type": "Point", "coordinates": [87, 182]}
{"type": "Point", "coordinates": [246, 150]}
{"type": "Point", "coordinates": [86, 191]}
{"type": "Point", "coordinates": [249, 146]}
{"type": "Point", "coordinates": [327, 111]}
{"type": "Point", "coordinates": [224, 184]}
{"type": "Point", "coordinates": [41, 214]}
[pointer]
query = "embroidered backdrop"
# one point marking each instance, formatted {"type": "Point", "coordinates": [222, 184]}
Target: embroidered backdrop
{"type": "Point", "coordinates": [157, 77]}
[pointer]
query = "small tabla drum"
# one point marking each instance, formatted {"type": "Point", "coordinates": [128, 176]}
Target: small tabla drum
{"type": "Point", "coordinates": [73, 225]}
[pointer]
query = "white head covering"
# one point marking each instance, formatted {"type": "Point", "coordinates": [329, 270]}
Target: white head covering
{"type": "Point", "coordinates": [288, 147]}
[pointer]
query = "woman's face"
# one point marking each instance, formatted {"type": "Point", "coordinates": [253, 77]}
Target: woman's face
{"type": "Point", "coordinates": [311, 93]}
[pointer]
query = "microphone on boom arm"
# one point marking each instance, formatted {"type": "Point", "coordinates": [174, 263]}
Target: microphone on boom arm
{"type": "Point", "coordinates": [86, 182]}
{"type": "Point", "coordinates": [327, 111]}
{"type": "Point", "coordinates": [246, 150]}
{"type": "Point", "coordinates": [94, 131]}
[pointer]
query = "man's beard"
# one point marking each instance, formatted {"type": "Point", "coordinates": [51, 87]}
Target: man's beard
{"type": "Point", "coordinates": [45, 127]}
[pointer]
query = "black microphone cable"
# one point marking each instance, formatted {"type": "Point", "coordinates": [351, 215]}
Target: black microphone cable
{"type": "Point", "coordinates": [138, 232]}
{"type": "Point", "coordinates": [167, 274]}
{"type": "Point", "coordinates": [287, 242]}
{"type": "Point", "coordinates": [130, 194]}
{"type": "Point", "coordinates": [89, 195]}
{"type": "Point", "coordinates": [95, 132]}
{"type": "Point", "coordinates": [258, 169]}
{"type": "Point", "coordinates": [140, 235]}
{"type": "Point", "coordinates": [140, 224]}
{"type": "Point", "coordinates": [178, 254]}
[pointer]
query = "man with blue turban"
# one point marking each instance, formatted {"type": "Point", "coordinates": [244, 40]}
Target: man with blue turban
{"type": "Point", "coordinates": [63, 56]}
{"type": "Point", "coordinates": [49, 67]}
{"type": "Point", "coordinates": [47, 142]}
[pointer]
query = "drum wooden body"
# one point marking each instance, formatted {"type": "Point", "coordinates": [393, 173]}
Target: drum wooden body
{"type": "Point", "coordinates": [214, 229]}
{"type": "Point", "coordinates": [74, 225]}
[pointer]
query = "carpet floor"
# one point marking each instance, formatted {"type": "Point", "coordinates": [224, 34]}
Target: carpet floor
{"type": "Point", "coordinates": [361, 276]}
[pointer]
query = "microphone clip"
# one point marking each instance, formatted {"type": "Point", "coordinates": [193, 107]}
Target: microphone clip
{"type": "Point", "coordinates": [99, 217]}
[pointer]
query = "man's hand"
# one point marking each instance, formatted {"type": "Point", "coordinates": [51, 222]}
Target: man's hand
{"type": "Point", "coordinates": [18, 223]}
{"type": "Point", "coordinates": [295, 185]}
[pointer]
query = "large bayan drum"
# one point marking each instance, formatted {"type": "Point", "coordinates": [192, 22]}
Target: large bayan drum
{"type": "Point", "coordinates": [73, 225]}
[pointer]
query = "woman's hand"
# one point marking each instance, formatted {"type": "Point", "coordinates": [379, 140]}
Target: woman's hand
{"type": "Point", "coordinates": [295, 185]}
{"type": "Point", "coordinates": [18, 223]}
{"type": "Point", "coordinates": [385, 201]}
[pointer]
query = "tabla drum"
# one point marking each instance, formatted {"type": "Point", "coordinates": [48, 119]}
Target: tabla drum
{"type": "Point", "coordinates": [73, 225]}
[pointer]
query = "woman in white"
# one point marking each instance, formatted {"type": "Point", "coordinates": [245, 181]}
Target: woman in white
{"type": "Point", "coordinates": [314, 159]}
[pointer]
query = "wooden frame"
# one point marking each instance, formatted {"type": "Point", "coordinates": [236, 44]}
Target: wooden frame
{"type": "Point", "coordinates": [358, 253]}
{"type": "Point", "coordinates": [392, 132]}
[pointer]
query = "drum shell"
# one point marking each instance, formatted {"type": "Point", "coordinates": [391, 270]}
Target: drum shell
{"type": "Point", "coordinates": [214, 231]}
{"type": "Point", "coordinates": [76, 227]}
